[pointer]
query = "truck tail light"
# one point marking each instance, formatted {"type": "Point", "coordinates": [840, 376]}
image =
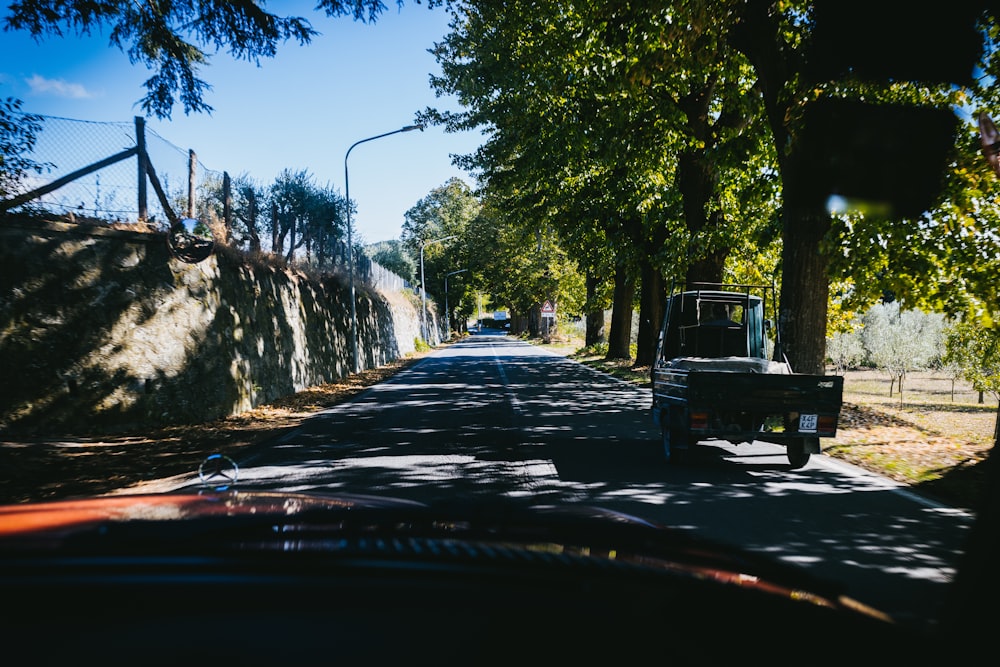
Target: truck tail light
{"type": "Point", "coordinates": [699, 420]}
{"type": "Point", "coordinates": [826, 424]}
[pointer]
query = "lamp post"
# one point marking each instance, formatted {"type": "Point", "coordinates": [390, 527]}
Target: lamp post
{"type": "Point", "coordinates": [447, 313]}
{"type": "Point", "coordinates": [350, 239]}
{"type": "Point", "coordinates": [423, 288]}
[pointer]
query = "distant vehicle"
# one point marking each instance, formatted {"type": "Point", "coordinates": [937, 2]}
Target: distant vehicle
{"type": "Point", "coordinates": [714, 377]}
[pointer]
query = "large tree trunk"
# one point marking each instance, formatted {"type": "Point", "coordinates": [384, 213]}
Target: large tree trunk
{"type": "Point", "coordinates": [804, 290]}
{"type": "Point", "coordinates": [697, 178]}
{"type": "Point", "coordinates": [595, 314]}
{"type": "Point", "coordinates": [535, 321]}
{"type": "Point", "coordinates": [620, 336]}
{"type": "Point", "coordinates": [652, 296]}
{"type": "Point", "coordinates": [804, 279]}
{"type": "Point", "coordinates": [709, 268]}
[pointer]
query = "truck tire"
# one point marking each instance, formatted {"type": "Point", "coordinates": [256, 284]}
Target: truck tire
{"type": "Point", "coordinates": [798, 457]}
{"type": "Point", "coordinates": [672, 436]}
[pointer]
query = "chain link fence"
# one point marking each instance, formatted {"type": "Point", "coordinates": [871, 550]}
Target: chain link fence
{"type": "Point", "coordinates": [74, 184]}
{"type": "Point", "coordinates": [110, 194]}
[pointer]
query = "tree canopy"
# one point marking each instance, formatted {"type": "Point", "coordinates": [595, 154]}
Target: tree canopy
{"type": "Point", "coordinates": [690, 139]}
{"type": "Point", "coordinates": [650, 143]}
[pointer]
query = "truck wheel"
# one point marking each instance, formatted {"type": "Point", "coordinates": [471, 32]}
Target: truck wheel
{"type": "Point", "coordinates": [798, 457]}
{"type": "Point", "coordinates": [670, 438]}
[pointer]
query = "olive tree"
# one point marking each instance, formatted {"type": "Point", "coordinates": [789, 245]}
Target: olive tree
{"type": "Point", "coordinates": [901, 341]}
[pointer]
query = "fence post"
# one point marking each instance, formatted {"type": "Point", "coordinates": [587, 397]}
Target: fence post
{"type": "Point", "coordinates": [140, 142]}
{"type": "Point", "coordinates": [192, 164]}
{"type": "Point", "coordinates": [227, 204]}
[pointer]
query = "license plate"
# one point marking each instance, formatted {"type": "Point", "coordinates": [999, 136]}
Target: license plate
{"type": "Point", "coordinates": [807, 423]}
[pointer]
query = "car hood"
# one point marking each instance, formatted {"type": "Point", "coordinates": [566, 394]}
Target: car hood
{"type": "Point", "coordinates": [240, 522]}
{"type": "Point", "coordinates": [64, 518]}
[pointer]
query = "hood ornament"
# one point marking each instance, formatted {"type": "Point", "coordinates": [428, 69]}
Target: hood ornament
{"type": "Point", "coordinates": [218, 472]}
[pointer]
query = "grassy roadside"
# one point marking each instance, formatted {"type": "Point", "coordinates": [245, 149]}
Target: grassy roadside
{"type": "Point", "coordinates": [935, 438]}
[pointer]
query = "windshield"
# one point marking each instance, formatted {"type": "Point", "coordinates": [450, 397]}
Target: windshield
{"type": "Point", "coordinates": [725, 266]}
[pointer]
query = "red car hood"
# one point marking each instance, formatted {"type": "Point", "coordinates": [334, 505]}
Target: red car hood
{"type": "Point", "coordinates": [60, 518]}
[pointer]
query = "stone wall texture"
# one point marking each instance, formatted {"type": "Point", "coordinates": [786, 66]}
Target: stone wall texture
{"type": "Point", "coordinates": [104, 329]}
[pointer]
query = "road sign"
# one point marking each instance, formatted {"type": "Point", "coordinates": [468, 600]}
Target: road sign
{"type": "Point", "coordinates": [548, 310]}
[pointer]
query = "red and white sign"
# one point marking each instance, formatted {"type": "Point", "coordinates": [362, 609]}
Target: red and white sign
{"type": "Point", "coordinates": [548, 310]}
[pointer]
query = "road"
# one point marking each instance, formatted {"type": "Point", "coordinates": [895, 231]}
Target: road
{"type": "Point", "coordinates": [492, 416]}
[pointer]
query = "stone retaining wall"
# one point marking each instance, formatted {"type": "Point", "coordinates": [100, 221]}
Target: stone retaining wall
{"type": "Point", "coordinates": [103, 329]}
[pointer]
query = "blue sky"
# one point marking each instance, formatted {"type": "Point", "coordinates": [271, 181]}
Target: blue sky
{"type": "Point", "coordinates": [300, 110]}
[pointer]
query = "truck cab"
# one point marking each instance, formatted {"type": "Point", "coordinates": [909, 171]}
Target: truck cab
{"type": "Point", "coordinates": [713, 324]}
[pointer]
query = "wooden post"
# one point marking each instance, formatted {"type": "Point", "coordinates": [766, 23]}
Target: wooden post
{"type": "Point", "coordinates": [192, 166]}
{"type": "Point", "coordinates": [274, 229]}
{"type": "Point", "coordinates": [140, 142]}
{"type": "Point", "coordinates": [252, 221]}
{"type": "Point", "coordinates": [227, 205]}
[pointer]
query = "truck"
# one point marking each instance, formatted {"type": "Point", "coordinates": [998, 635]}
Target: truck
{"type": "Point", "coordinates": [720, 374]}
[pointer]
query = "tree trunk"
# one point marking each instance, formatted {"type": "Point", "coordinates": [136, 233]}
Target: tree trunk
{"type": "Point", "coordinates": [535, 321]}
{"type": "Point", "coordinates": [652, 297]}
{"type": "Point", "coordinates": [275, 248]}
{"type": "Point", "coordinates": [595, 314]}
{"type": "Point", "coordinates": [252, 222]}
{"type": "Point", "coordinates": [620, 336]}
{"type": "Point", "coordinates": [804, 281]}
{"type": "Point", "coordinates": [697, 179]}
{"type": "Point", "coordinates": [804, 290]}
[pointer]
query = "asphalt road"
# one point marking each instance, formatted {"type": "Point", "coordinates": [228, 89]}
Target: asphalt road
{"type": "Point", "coordinates": [495, 417]}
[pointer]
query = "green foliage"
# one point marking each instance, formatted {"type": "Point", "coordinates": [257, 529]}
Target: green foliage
{"type": "Point", "coordinates": [435, 229]}
{"type": "Point", "coordinates": [900, 341]}
{"type": "Point", "coordinates": [394, 256]}
{"type": "Point", "coordinates": [307, 218]}
{"type": "Point", "coordinates": [18, 131]}
{"type": "Point", "coordinates": [521, 266]}
{"type": "Point", "coordinates": [975, 349]}
{"type": "Point", "coordinates": [845, 350]}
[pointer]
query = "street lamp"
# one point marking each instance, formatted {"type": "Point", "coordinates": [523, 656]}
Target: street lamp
{"type": "Point", "coordinates": [423, 288]}
{"type": "Point", "coordinates": [447, 313]}
{"type": "Point", "coordinates": [350, 239]}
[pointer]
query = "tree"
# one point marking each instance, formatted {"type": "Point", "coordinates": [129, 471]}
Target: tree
{"type": "Point", "coordinates": [305, 216]}
{"type": "Point", "coordinates": [248, 220]}
{"type": "Point", "coordinates": [974, 347]}
{"type": "Point", "coordinates": [635, 134]}
{"type": "Point", "coordinates": [804, 77]}
{"type": "Point", "coordinates": [520, 267]}
{"type": "Point", "coordinates": [17, 138]}
{"type": "Point", "coordinates": [901, 341]}
{"type": "Point", "coordinates": [445, 212]}
{"type": "Point", "coordinates": [394, 256]}
{"type": "Point", "coordinates": [845, 349]}
{"type": "Point", "coordinates": [174, 39]}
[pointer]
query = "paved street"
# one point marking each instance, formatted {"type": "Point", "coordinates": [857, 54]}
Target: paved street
{"type": "Point", "coordinates": [494, 417]}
